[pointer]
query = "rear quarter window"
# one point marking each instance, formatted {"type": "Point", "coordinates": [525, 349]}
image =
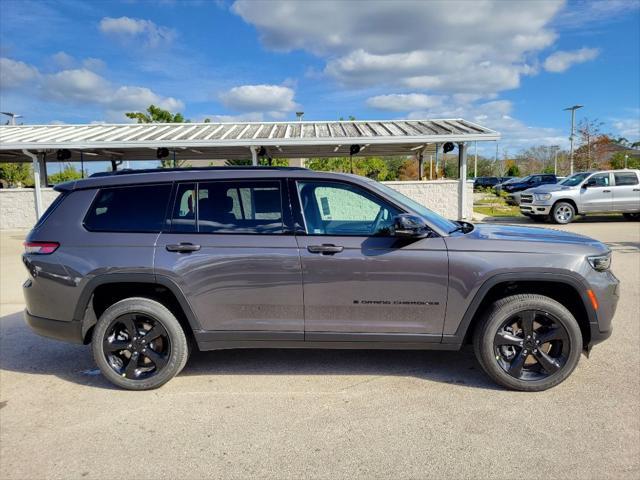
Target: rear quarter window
{"type": "Point", "coordinates": [129, 209]}
{"type": "Point", "coordinates": [625, 178]}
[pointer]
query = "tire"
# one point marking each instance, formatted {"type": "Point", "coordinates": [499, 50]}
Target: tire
{"type": "Point", "coordinates": [156, 361]}
{"type": "Point", "coordinates": [632, 216]}
{"type": "Point", "coordinates": [563, 213]}
{"type": "Point", "coordinates": [560, 355]}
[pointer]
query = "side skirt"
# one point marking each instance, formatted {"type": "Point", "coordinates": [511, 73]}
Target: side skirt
{"type": "Point", "coordinates": [223, 340]}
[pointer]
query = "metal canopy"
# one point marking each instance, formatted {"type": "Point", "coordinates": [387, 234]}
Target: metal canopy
{"type": "Point", "coordinates": [193, 141]}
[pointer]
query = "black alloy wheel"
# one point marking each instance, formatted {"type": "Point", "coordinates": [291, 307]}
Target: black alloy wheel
{"type": "Point", "coordinates": [531, 345]}
{"type": "Point", "coordinates": [136, 346]}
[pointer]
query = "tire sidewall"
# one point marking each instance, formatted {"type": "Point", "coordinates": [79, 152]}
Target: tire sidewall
{"type": "Point", "coordinates": [506, 308]}
{"type": "Point", "coordinates": [145, 306]}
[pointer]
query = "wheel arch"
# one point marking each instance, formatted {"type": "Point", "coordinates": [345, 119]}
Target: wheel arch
{"type": "Point", "coordinates": [103, 290]}
{"type": "Point", "coordinates": [567, 289]}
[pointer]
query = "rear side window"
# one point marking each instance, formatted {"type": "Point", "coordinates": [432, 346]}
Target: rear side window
{"type": "Point", "coordinates": [625, 178]}
{"type": "Point", "coordinates": [129, 209]}
{"type": "Point", "coordinates": [58, 200]}
{"type": "Point", "coordinates": [247, 207]}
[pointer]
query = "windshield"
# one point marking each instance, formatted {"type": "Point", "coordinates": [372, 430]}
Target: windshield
{"type": "Point", "coordinates": [431, 217]}
{"type": "Point", "coordinates": [574, 179]}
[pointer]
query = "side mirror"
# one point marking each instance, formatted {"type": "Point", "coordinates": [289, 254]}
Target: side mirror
{"type": "Point", "coordinates": [588, 183]}
{"type": "Point", "coordinates": [409, 226]}
{"type": "Point", "coordinates": [530, 182]}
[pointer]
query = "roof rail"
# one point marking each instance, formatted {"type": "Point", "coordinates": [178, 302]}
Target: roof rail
{"type": "Point", "coordinates": [130, 171]}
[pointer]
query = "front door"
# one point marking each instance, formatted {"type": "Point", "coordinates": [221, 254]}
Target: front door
{"type": "Point", "coordinates": [626, 192]}
{"type": "Point", "coordinates": [596, 194]}
{"type": "Point", "coordinates": [360, 282]}
{"type": "Point", "coordinates": [232, 253]}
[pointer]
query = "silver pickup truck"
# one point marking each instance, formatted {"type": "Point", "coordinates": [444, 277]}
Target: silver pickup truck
{"type": "Point", "coordinates": [614, 191]}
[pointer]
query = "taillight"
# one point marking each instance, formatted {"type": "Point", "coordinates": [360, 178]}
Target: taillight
{"type": "Point", "coordinates": [40, 248]}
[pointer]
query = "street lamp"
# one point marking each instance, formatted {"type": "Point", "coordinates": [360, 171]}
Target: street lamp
{"type": "Point", "coordinates": [573, 121]}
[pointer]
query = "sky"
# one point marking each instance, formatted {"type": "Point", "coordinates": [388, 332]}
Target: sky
{"type": "Point", "coordinates": [509, 65]}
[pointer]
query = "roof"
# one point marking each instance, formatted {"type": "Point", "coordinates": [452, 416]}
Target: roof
{"type": "Point", "coordinates": [161, 175]}
{"type": "Point", "coordinates": [232, 140]}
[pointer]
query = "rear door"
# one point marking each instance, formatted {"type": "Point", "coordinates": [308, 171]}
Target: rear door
{"type": "Point", "coordinates": [598, 196]}
{"type": "Point", "coordinates": [360, 282]}
{"type": "Point", "coordinates": [230, 247]}
{"type": "Point", "coordinates": [626, 192]}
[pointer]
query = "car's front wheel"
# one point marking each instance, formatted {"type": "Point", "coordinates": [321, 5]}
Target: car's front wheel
{"type": "Point", "coordinates": [528, 342]}
{"type": "Point", "coordinates": [563, 213]}
{"type": "Point", "coordinates": [139, 344]}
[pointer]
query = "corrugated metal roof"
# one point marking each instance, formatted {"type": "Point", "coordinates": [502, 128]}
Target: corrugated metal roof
{"type": "Point", "coordinates": [230, 140]}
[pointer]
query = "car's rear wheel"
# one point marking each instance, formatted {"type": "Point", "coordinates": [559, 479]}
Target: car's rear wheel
{"type": "Point", "coordinates": [563, 213]}
{"type": "Point", "coordinates": [528, 342]}
{"type": "Point", "coordinates": [139, 344]}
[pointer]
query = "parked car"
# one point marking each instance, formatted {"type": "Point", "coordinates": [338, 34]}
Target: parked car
{"type": "Point", "coordinates": [147, 265]}
{"type": "Point", "coordinates": [485, 182]}
{"type": "Point", "coordinates": [506, 181]}
{"type": "Point", "coordinates": [614, 191]}
{"type": "Point", "coordinates": [530, 181]}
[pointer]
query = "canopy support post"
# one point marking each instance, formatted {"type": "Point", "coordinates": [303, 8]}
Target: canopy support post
{"type": "Point", "coordinates": [254, 155]}
{"type": "Point", "coordinates": [36, 181]}
{"type": "Point", "coordinates": [462, 182]}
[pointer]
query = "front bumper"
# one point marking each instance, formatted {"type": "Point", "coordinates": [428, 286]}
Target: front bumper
{"type": "Point", "coordinates": [64, 331]}
{"type": "Point", "coordinates": [533, 209]}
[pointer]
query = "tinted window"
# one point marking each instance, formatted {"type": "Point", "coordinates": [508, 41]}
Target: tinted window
{"type": "Point", "coordinates": [129, 209]}
{"type": "Point", "coordinates": [599, 180]}
{"type": "Point", "coordinates": [183, 218]}
{"type": "Point", "coordinates": [343, 209]}
{"type": "Point", "coordinates": [228, 207]}
{"type": "Point", "coordinates": [625, 178]}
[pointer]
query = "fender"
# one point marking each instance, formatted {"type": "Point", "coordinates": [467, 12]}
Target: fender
{"type": "Point", "coordinates": [568, 278]}
{"type": "Point", "coordinates": [84, 308]}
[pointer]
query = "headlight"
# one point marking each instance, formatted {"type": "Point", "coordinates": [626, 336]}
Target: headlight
{"type": "Point", "coordinates": [542, 196]}
{"type": "Point", "coordinates": [600, 262]}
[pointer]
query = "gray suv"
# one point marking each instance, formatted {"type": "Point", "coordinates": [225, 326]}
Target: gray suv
{"type": "Point", "coordinates": [148, 265]}
{"type": "Point", "coordinates": [614, 191]}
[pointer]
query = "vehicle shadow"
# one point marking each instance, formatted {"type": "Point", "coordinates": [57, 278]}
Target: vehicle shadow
{"type": "Point", "coordinates": [23, 351]}
{"type": "Point", "coordinates": [580, 219]}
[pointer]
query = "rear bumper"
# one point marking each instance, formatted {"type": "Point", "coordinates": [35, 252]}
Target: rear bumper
{"type": "Point", "coordinates": [58, 330]}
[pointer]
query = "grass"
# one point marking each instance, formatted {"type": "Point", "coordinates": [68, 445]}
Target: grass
{"type": "Point", "coordinates": [495, 206]}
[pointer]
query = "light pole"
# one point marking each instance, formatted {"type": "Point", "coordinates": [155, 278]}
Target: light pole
{"type": "Point", "coordinates": [475, 160]}
{"type": "Point", "coordinates": [626, 158]}
{"type": "Point", "coordinates": [573, 122]}
{"type": "Point", "coordinates": [12, 117]}
{"type": "Point", "coordinates": [555, 158]}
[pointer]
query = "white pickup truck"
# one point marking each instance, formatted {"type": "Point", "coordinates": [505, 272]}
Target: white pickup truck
{"type": "Point", "coordinates": [613, 191]}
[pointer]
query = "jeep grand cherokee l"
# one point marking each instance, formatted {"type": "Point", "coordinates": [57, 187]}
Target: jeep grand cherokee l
{"type": "Point", "coordinates": [146, 266]}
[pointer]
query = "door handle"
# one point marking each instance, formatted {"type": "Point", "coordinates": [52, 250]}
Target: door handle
{"type": "Point", "coordinates": [183, 247]}
{"type": "Point", "coordinates": [606, 191]}
{"type": "Point", "coordinates": [325, 249]}
{"type": "Point", "coordinates": [636, 189]}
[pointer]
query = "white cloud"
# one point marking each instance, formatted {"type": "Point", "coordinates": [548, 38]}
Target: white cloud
{"type": "Point", "coordinates": [94, 64]}
{"type": "Point", "coordinates": [628, 128]}
{"type": "Point", "coordinates": [561, 61]}
{"type": "Point", "coordinates": [84, 86]}
{"type": "Point", "coordinates": [15, 74]}
{"type": "Point", "coordinates": [404, 102]}
{"type": "Point", "coordinates": [479, 47]}
{"type": "Point", "coordinates": [243, 117]}
{"type": "Point", "coordinates": [274, 99]}
{"type": "Point", "coordinates": [133, 30]}
{"type": "Point", "coordinates": [63, 60]}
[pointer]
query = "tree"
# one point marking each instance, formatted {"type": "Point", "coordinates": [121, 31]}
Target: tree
{"type": "Point", "coordinates": [276, 162]}
{"type": "Point", "coordinates": [617, 160]}
{"type": "Point", "coordinates": [68, 173]}
{"type": "Point", "coordinates": [158, 115]}
{"type": "Point", "coordinates": [16, 174]}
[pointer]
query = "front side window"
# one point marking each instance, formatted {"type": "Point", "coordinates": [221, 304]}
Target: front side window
{"type": "Point", "coordinates": [139, 208]}
{"type": "Point", "coordinates": [229, 207]}
{"type": "Point", "coordinates": [343, 209]}
{"type": "Point", "coordinates": [599, 180]}
{"type": "Point", "coordinates": [625, 178]}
